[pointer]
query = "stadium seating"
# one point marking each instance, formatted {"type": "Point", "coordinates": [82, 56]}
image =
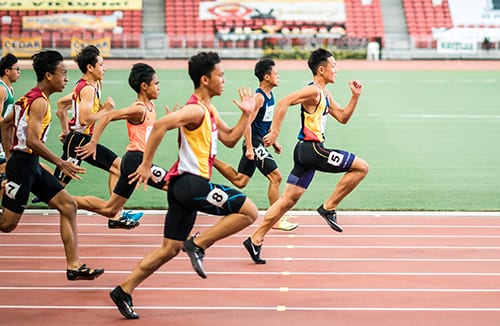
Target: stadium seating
{"type": "Point", "coordinates": [364, 20]}
{"type": "Point", "coordinates": [422, 16]}
{"type": "Point", "coordinates": [184, 27]}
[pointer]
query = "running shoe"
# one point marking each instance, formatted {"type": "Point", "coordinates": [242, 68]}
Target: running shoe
{"type": "Point", "coordinates": [284, 225]}
{"type": "Point", "coordinates": [330, 218]}
{"type": "Point", "coordinates": [254, 251]}
{"type": "Point", "coordinates": [196, 255]}
{"type": "Point", "coordinates": [129, 215]}
{"type": "Point", "coordinates": [123, 302]}
{"type": "Point", "coordinates": [83, 273]}
{"type": "Point", "coordinates": [122, 223]}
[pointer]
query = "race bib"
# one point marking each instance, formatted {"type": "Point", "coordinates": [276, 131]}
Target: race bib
{"type": "Point", "coordinates": [158, 173]}
{"type": "Point", "coordinates": [335, 158]}
{"type": "Point", "coordinates": [217, 197]}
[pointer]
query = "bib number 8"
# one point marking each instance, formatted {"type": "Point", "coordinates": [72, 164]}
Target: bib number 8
{"type": "Point", "coordinates": [217, 197]}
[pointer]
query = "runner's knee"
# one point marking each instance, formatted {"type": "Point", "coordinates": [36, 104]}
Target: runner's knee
{"type": "Point", "coordinates": [249, 211]}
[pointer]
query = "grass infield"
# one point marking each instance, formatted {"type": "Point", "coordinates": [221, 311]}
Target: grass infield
{"type": "Point", "coordinates": [430, 137]}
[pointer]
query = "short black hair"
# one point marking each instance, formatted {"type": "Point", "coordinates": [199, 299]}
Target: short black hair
{"type": "Point", "coordinates": [87, 56]}
{"type": "Point", "coordinates": [202, 64]}
{"type": "Point", "coordinates": [317, 58]}
{"type": "Point", "coordinates": [263, 67]}
{"type": "Point", "coordinates": [46, 61]}
{"type": "Point", "coordinates": [140, 73]}
{"type": "Point", "coordinates": [7, 62]}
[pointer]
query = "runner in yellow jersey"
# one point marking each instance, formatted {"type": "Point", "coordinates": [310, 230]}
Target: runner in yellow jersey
{"type": "Point", "coordinates": [310, 154]}
{"type": "Point", "coordinates": [24, 132]}
{"type": "Point", "coordinates": [190, 189]}
{"type": "Point", "coordinates": [87, 110]}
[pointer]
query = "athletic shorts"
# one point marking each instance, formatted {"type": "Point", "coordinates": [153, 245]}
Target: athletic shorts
{"type": "Point", "coordinates": [309, 157]}
{"type": "Point", "coordinates": [130, 162]}
{"type": "Point", "coordinates": [263, 160]}
{"type": "Point", "coordinates": [25, 175]}
{"type": "Point", "coordinates": [104, 156]}
{"type": "Point", "coordinates": [188, 194]}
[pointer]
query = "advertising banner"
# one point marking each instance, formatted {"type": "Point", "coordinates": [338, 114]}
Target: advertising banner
{"type": "Point", "coordinates": [305, 10]}
{"type": "Point", "coordinates": [70, 5]}
{"type": "Point", "coordinates": [69, 22]}
{"type": "Point", "coordinates": [21, 47]}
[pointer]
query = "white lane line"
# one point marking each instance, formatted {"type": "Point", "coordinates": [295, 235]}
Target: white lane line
{"type": "Point", "coordinates": [356, 259]}
{"type": "Point", "coordinates": [384, 236]}
{"type": "Point", "coordinates": [287, 273]}
{"type": "Point", "coordinates": [21, 245]}
{"type": "Point", "coordinates": [403, 214]}
{"type": "Point", "coordinates": [353, 226]}
{"type": "Point", "coordinates": [216, 289]}
{"type": "Point", "coordinates": [272, 308]}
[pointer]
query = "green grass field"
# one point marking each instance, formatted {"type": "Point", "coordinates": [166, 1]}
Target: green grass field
{"type": "Point", "coordinates": [430, 138]}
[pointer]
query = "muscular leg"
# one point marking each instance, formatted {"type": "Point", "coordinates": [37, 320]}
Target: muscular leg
{"type": "Point", "coordinates": [114, 174]}
{"type": "Point", "coordinates": [68, 228]}
{"type": "Point", "coordinates": [9, 220]}
{"type": "Point", "coordinates": [150, 263]}
{"type": "Point", "coordinates": [347, 183]}
{"type": "Point", "coordinates": [273, 191]}
{"type": "Point", "coordinates": [97, 205]}
{"type": "Point", "coordinates": [228, 225]}
{"type": "Point", "coordinates": [291, 195]}
{"type": "Point", "coordinates": [238, 179]}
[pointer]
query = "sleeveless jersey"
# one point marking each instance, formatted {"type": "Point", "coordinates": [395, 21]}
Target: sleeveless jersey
{"type": "Point", "coordinates": [8, 103]}
{"type": "Point", "coordinates": [74, 123]}
{"type": "Point", "coordinates": [22, 111]}
{"type": "Point", "coordinates": [138, 134]}
{"type": "Point", "coordinates": [198, 147]}
{"type": "Point", "coordinates": [262, 122]}
{"type": "Point", "coordinates": [312, 125]}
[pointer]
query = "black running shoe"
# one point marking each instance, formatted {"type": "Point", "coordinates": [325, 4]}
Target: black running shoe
{"type": "Point", "coordinates": [83, 273]}
{"type": "Point", "coordinates": [330, 218]}
{"type": "Point", "coordinates": [254, 251]}
{"type": "Point", "coordinates": [196, 255]}
{"type": "Point", "coordinates": [123, 223]}
{"type": "Point", "coordinates": [124, 303]}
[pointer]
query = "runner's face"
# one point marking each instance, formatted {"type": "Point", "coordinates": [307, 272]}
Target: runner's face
{"type": "Point", "coordinates": [98, 70]}
{"type": "Point", "coordinates": [274, 77]}
{"type": "Point", "coordinates": [216, 81]}
{"type": "Point", "coordinates": [330, 71]}
{"type": "Point", "coordinates": [60, 77]}
{"type": "Point", "coordinates": [13, 73]}
{"type": "Point", "coordinates": [153, 89]}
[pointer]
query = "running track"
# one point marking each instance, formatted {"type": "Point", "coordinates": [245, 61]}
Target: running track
{"type": "Point", "coordinates": [385, 269]}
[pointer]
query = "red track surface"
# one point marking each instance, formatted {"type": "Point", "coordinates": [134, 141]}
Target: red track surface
{"type": "Point", "coordinates": [383, 270]}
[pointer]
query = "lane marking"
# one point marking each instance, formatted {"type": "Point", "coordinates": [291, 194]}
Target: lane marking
{"type": "Point", "coordinates": [273, 308]}
{"type": "Point", "coordinates": [285, 273]}
{"type": "Point", "coordinates": [242, 289]}
{"type": "Point", "coordinates": [433, 214]}
{"type": "Point", "coordinates": [21, 245]}
{"type": "Point", "coordinates": [356, 259]}
{"type": "Point", "coordinates": [296, 236]}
